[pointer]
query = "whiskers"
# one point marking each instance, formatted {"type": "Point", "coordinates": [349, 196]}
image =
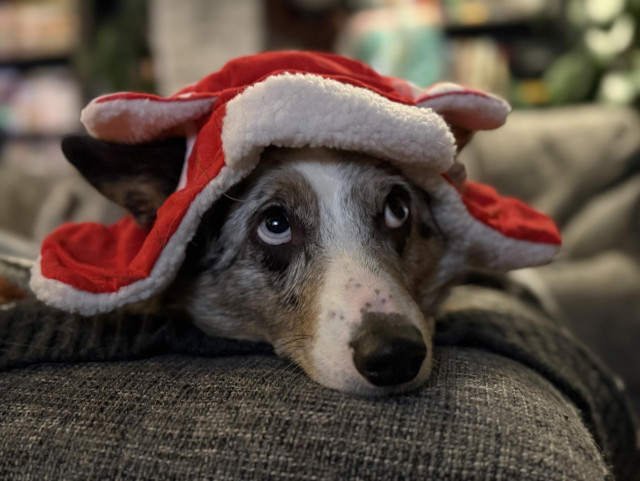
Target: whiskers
{"type": "Point", "coordinates": [291, 370]}
{"type": "Point", "coordinates": [296, 342]}
{"type": "Point", "coordinates": [293, 349]}
{"type": "Point", "coordinates": [235, 199]}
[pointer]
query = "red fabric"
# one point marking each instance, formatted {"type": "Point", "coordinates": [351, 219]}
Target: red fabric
{"type": "Point", "coordinates": [92, 257]}
{"type": "Point", "coordinates": [99, 259]}
{"type": "Point", "coordinates": [509, 216]}
{"type": "Point", "coordinates": [242, 72]}
{"type": "Point", "coordinates": [245, 71]}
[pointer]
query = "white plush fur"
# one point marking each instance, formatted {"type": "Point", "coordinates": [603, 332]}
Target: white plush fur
{"type": "Point", "coordinates": [471, 110]}
{"type": "Point", "coordinates": [296, 110]}
{"type": "Point", "coordinates": [133, 121]}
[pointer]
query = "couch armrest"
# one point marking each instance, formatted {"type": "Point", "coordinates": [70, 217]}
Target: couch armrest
{"type": "Point", "coordinates": [512, 396]}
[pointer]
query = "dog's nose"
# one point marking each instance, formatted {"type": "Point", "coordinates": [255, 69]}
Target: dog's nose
{"type": "Point", "coordinates": [388, 350]}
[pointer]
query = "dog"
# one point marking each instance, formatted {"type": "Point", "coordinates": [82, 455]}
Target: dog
{"type": "Point", "coordinates": [336, 258]}
{"type": "Point", "coordinates": [333, 257]}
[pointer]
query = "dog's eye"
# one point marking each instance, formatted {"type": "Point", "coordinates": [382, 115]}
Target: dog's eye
{"type": "Point", "coordinates": [396, 209]}
{"type": "Point", "coordinates": [275, 228]}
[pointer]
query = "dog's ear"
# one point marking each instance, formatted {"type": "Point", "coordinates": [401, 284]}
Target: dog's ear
{"type": "Point", "coordinates": [137, 177]}
{"type": "Point", "coordinates": [462, 135]}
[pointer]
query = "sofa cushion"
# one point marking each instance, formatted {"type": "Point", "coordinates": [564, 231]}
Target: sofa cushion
{"type": "Point", "coordinates": [512, 396]}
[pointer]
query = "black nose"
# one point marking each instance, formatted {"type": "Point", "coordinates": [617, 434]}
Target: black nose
{"type": "Point", "coordinates": [387, 349]}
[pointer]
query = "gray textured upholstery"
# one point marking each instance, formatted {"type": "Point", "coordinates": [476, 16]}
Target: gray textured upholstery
{"type": "Point", "coordinates": [580, 165]}
{"type": "Point", "coordinates": [512, 396]}
{"type": "Point", "coordinates": [230, 418]}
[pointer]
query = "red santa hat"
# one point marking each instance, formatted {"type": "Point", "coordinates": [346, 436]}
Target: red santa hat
{"type": "Point", "coordinates": [291, 99]}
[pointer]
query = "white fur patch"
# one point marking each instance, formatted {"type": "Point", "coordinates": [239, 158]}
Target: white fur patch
{"type": "Point", "coordinates": [349, 290]}
{"type": "Point", "coordinates": [354, 284]}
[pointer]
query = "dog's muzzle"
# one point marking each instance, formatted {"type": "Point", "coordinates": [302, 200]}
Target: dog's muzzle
{"type": "Point", "coordinates": [387, 349]}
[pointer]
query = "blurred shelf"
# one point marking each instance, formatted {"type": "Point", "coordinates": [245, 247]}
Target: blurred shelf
{"type": "Point", "coordinates": [31, 62]}
{"type": "Point", "coordinates": [29, 137]}
{"type": "Point", "coordinates": [487, 29]}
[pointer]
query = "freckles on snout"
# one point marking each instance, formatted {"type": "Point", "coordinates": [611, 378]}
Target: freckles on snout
{"type": "Point", "coordinates": [358, 299]}
{"type": "Point", "coordinates": [374, 299]}
{"type": "Point", "coordinates": [344, 302]}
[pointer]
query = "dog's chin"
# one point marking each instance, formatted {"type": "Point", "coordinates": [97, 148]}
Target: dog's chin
{"type": "Point", "coordinates": [354, 384]}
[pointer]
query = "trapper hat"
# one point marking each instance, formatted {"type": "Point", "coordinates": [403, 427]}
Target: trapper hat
{"type": "Point", "coordinates": [291, 99]}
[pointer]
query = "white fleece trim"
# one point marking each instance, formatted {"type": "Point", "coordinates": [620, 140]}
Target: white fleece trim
{"type": "Point", "coordinates": [468, 109]}
{"type": "Point", "coordinates": [134, 121]}
{"type": "Point", "coordinates": [476, 244]}
{"type": "Point", "coordinates": [298, 110]}
{"type": "Point", "coordinates": [70, 299]}
{"type": "Point", "coordinates": [191, 134]}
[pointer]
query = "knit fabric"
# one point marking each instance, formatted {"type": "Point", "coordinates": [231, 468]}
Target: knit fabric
{"type": "Point", "coordinates": [512, 396]}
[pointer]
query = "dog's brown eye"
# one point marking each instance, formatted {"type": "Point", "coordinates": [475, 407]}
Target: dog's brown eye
{"type": "Point", "coordinates": [396, 209]}
{"type": "Point", "coordinates": [274, 229]}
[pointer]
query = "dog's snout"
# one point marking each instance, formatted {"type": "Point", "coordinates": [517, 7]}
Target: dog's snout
{"type": "Point", "coordinates": [388, 350]}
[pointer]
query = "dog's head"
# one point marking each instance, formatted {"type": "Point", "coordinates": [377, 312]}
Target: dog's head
{"type": "Point", "coordinates": [333, 257]}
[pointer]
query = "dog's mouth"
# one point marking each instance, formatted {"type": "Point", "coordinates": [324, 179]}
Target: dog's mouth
{"type": "Point", "coordinates": [388, 354]}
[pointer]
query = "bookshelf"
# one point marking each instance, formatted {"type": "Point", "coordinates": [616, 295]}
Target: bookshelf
{"type": "Point", "coordinates": [39, 91]}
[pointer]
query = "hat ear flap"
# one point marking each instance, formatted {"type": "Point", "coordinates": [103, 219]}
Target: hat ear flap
{"type": "Point", "coordinates": [136, 118]}
{"type": "Point", "coordinates": [465, 110]}
{"type": "Point", "coordinates": [492, 231]}
{"type": "Point", "coordinates": [489, 232]}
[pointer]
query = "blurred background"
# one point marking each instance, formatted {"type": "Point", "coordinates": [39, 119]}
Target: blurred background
{"type": "Point", "coordinates": [571, 69]}
{"type": "Point", "coordinates": [55, 55]}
